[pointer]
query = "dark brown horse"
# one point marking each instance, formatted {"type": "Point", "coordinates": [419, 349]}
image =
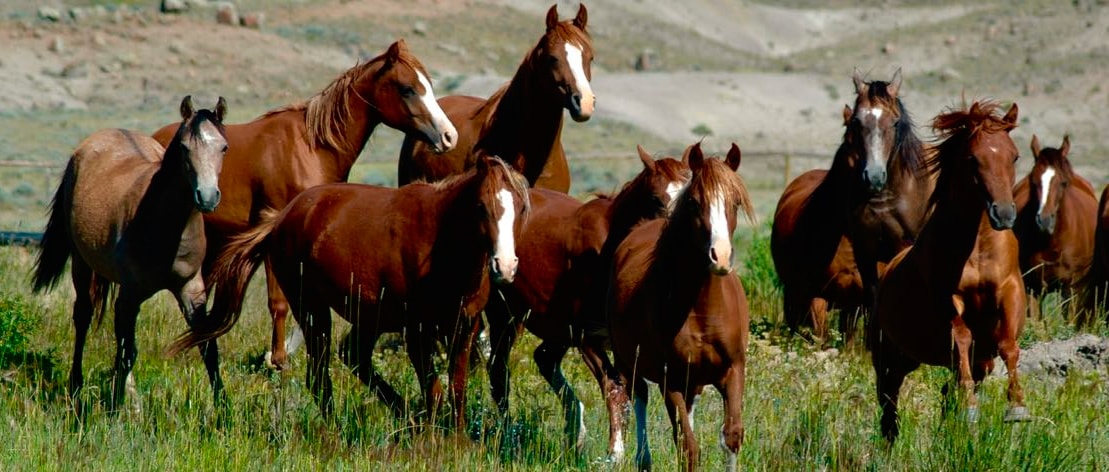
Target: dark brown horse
{"type": "Point", "coordinates": [875, 195]}
{"type": "Point", "coordinates": [1096, 285]}
{"type": "Point", "coordinates": [1056, 219]}
{"type": "Point", "coordinates": [521, 122]}
{"type": "Point", "coordinates": [129, 212]}
{"type": "Point", "coordinates": [956, 298]}
{"type": "Point", "coordinates": [679, 313]}
{"type": "Point", "coordinates": [561, 281]}
{"type": "Point", "coordinates": [417, 259]}
{"type": "Point", "coordinates": [287, 150]}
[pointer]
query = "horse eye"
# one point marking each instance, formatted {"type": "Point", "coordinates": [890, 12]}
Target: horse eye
{"type": "Point", "coordinates": [223, 149]}
{"type": "Point", "coordinates": [1016, 157]}
{"type": "Point", "coordinates": [407, 92]}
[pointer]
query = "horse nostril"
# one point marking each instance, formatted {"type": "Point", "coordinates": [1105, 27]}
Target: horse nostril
{"type": "Point", "coordinates": [712, 256]}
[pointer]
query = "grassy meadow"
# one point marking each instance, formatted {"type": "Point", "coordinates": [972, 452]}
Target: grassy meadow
{"type": "Point", "coordinates": [805, 409]}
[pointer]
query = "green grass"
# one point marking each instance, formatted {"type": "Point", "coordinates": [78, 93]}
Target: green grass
{"type": "Point", "coordinates": [803, 410]}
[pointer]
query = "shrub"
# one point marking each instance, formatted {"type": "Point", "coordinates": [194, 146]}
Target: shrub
{"type": "Point", "coordinates": [17, 322]}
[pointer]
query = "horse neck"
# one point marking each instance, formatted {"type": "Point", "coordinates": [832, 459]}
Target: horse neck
{"type": "Point", "coordinates": [363, 119]}
{"type": "Point", "coordinates": [167, 210]}
{"type": "Point", "coordinates": [953, 228]}
{"type": "Point", "coordinates": [458, 250]}
{"type": "Point", "coordinates": [626, 211]}
{"type": "Point", "coordinates": [679, 260]}
{"type": "Point", "coordinates": [525, 125]}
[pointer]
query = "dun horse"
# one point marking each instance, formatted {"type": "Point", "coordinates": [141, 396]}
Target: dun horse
{"type": "Point", "coordinates": [290, 149]}
{"type": "Point", "coordinates": [956, 298]}
{"type": "Point", "coordinates": [521, 122]}
{"type": "Point", "coordinates": [129, 212]}
{"type": "Point", "coordinates": [1056, 218]}
{"type": "Point", "coordinates": [417, 259]}
{"type": "Point", "coordinates": [679, 313]}
{"type": "Point", "coordinates": [875, 195]}
{"type": "Point", "coordinates": [561, 282]}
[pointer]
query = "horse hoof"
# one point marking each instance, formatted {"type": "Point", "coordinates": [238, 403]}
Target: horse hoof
{"type": "Point", "coordinates": [1017, 414]}
{"type": "Point", "coordinates": [269, 361]}
{"type": "Point", "coordinates": [972, 415]}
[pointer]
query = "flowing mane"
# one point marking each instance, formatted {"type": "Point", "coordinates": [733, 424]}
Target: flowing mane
{"type": "Point", "coordinates": [715, 178]}
{"type": "Point", "coordinates": [957, 128]}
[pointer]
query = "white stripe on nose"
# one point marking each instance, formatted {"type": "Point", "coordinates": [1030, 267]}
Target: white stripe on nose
{"type": "Point", "coordinates": [438, 117]}
{"type": "Point", "coordinates": [1045, 188]}
{"type": "Point", "coordinates": [506, 242]}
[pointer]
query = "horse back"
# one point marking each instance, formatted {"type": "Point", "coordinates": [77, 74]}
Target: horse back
{"type": "Point", "coordinates": [417, 161]}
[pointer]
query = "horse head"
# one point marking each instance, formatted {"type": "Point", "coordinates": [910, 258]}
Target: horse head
{"type": "Point", "coordinates": [202, 143]}
{"type": "Point", "coordinates": [660, 181]}
{"type": "Point", "coordinates": [1048, 181]}
{"type": "Point", "coordinates": [979, 142]}
{"type": "Point", "coordinates": [872, 126]}
{"type": "Point", "coordinates": [562, 62]}
{"type": "Point", "coordinates": [505, 205]}
{"type": "Point", "coordinates": [713, 198]}
{"type": "Point", "coordinates": [400, 91]}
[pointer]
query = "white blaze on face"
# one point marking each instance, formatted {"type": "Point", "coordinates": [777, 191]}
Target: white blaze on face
{"type": "Point", "coordinates": [673, 189]}
{"type": "Point", "coordinates": [577, 68]}
{"type": "Point", "coordinates": [438, 117]}
{"type": "Point", "coordinates": [718, 218]}
{"type": "Point", "coordinates": [875, 145]}
{"type": "Point", "coordinates": [506, 242]}
{"type": "Point", "coordinates": [207, 155]}
{"type": "Point", "coordinates": [1045, 187]}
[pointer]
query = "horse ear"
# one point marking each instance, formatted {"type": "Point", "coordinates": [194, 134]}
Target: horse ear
{"type": "Point", "coordinates": [1036, 146]}
{"type": "Point", "coordinates": [582, 17]}
{"type": "Point", "coordinates": [1011, 116]}
{"type": "Point", "coordinates": [483, 163]}
{"type": "Point", "coordinates": [860, 85]}
{"type": "Point", "coordinates": [221, 109]}
{"type": "Point", "coordinates": [645, 158]}
{"type": "Point", "coordinates": [1065, 148]}
{"type": "Point", "coordinates": [552, 17]}
{"type": "Point", "coordinates": [395, 50]}
{"type": "Point", "coordinates": [696, 157]}
{"type": "Point", "coordinates": [847, 112]}
{"type": "Point", "coordinates": [733, 158]}
{"type": "Point", "coordinates": [895, 83]}
{"type": "Point", "coordinates": [187, 107]}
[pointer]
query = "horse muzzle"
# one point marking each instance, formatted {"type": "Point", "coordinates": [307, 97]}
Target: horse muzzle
{"type": "Point", "coordinates": [206, 199]}
{"type": "Point", "coordinates": [721, 259]}
{"type": "Point", "coordinates": [1046, 223]}
{"type": "Point", "coordinates": [1002, 216]}
{"type": "Point", "coordinates": [581, 106]}
{"type": "Point", "coordinates": [875, 178]}
{"type": "Point", "coordinates": [442, 136]}
{"type": "Point", "coordinates": [504, 269]}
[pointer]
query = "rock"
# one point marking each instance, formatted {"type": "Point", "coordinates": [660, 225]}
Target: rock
{"type": "Point", "coordinates": [1057, 358]}
{"type": "Point", "coordinates": [644, 61]}
{"type": "Point", "coordinates": [226, 14]}
{"type": "Point", "coordinates": [175, 47]}
{"type": "Point", "coordinates": [50, 14]}
{"type": "Point", "coordinates": [174, 6]}
{"type": "Point", "coordinates": [253, 20]}
{"type": "Point", "coordinates": [419, 28]}
{"type": "Point", "coordinates": [75, 70]}
{"type": "Point", "coordinates": [950, 41]}
{"type": "Point", "coordinates": [57, 45]}
{"type": "Point", "coordinates": [889, 48]}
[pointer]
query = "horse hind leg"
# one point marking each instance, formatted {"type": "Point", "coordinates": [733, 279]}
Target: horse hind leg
{"type": "Point", "coordinates": [82, 318]}
{"type": "Point", "coordinates": [548, 359]}
{"type": "Point", "coordinates": [278, 356]}
{"type": "Point", "coordinates": [316, 320]}
{"type": "Point", "coordinates": [613, 391]}
{"type": "Point", "coordinates": [356, 351]}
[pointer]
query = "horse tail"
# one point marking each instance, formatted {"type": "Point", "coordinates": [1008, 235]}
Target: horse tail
{"type": "Point", "coordinates": [56, 244]}
{"type": "Point", "coordinates": [231, 273]}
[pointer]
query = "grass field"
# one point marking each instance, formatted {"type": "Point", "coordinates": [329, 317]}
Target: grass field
{"type": "Point", "coordinates": [804, 409]}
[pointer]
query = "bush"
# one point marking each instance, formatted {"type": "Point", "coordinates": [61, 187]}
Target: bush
{"type": "Point", "coordinates": [17, 322]}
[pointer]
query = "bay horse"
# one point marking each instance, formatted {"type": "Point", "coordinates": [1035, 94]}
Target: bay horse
{"type": "Point", "coordinates": [678, 313]}
{"type": "Point", "coordinates": [417, 260]}
{"type": "Point", "coordinates": [521, 122]}
{"type": "Point", "coordinates": [561, 282]}
{"type": "Point", "coordinates": [129, 213]}
{"type": "Point", "coordinates": [287, 150]}
{"type": "Point", "coordinates": [956, 298]}
{"type": "Point", "coordinates": [875, 195]}
{"type": "Point", "coordinates": [1056, 219]}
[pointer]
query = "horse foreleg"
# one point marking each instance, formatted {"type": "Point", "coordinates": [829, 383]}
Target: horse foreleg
{"type": "Point", "coordinates": [612, 390]}
{"type": "Point", "coordinates": [548, 359]}
{"type": "Point", "coordinates": [963, 339]}
{"type": "Point", "coordinates": [126, 314]}
{"type": "Point", "coordinates": [316, 320]}
{"type": "Point", "coordinates": [890, 368]}
{"type": "Point", "coordinates": [1007, 333]}
{"type": "Point", "coordinates": [467, 327]}
{"type": "Point", "coordinates": [642, 446]}
{"type": "Point", "coordinates": [681, 427]}
{"type": "Point", "coordinates": [82, 318]}
{"type": "Point", "coordinates": [420, 344]}
{"type": "Point", "coordinates": [278, 357]}
{"type": "Point", "coordinates": [731, 434]}
{"type": "Point", "coordinates": [193, 300]}
{"type": "Point", "coordinates": [356, 351]}
{"type": "Point", "coordinates": [502, 334]}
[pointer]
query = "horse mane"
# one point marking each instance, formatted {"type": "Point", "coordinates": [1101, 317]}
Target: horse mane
{"type": "Point", "coordinates": [957, 127]}
{"type": "Point", "coordinates": [714, 178]}
{"type": "Point", "coordinates": [328, 112]}
{"type": "Point", "coordinates": [517, 182]}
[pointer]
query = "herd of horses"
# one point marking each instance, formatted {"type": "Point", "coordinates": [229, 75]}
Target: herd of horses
{"type": "Point", "coordinates": [913, 238]}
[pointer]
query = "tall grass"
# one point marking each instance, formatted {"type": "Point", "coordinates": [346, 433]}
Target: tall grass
{"type": "Point", "coordinates": [804, 410]}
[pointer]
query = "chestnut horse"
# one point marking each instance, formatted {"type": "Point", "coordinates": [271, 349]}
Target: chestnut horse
{"type": "Point", "coordinates": [1056, 219]}
{"type": "Point", "coordinates": [678, 313]}
{"type": "Point", "coordinates": [562, 280]}
{"type": "Point", "coordinates": [130, 213]}
{"type": "Point", "coordinates": [287, 150]}
{"type": "Point", "coordinates": [956, 298]}
{"type": "Point", "coordinates": [521, 122]}
{"type": "Point", "coordinates": [875, 195]}
{"type": "Point", "coordinates": [417, 259]}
